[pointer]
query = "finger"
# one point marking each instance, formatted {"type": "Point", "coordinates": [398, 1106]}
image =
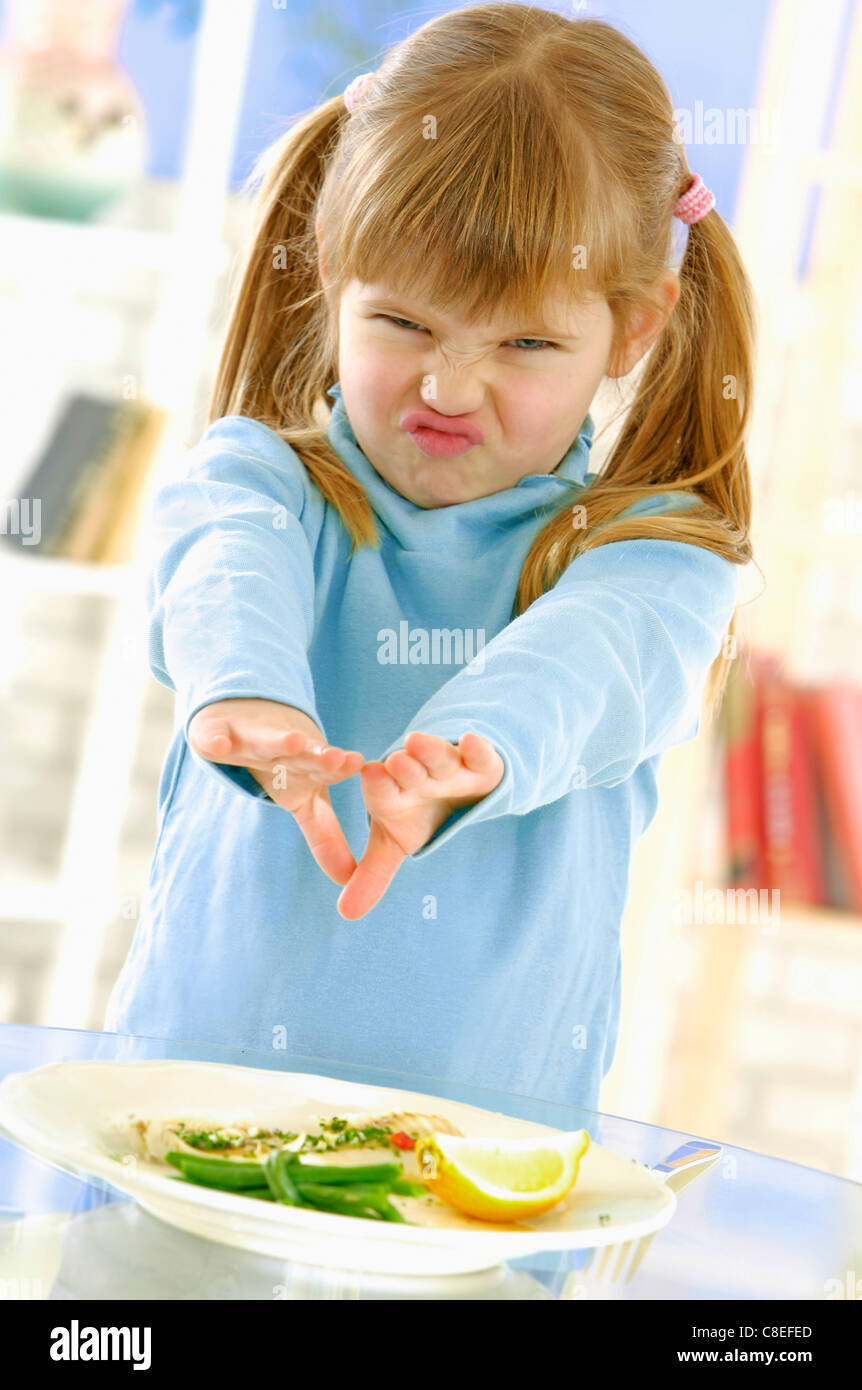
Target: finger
{"type": "Point", "coordinates": [477, 753]}
{"type": "Point", "coordinates": [406, 771]}
{"type": "Point", "coordinates": [246, 739]}
{"type": "Point", "coordinates": [439, 758]}
{"type": "Point", "coordinates": [211, 739]}
{"type": "Point", "coordinates": [373, 874]}
{"type": "Point", "coordinates": [380, 790]}
{"type": "Point", "coordinates": [220, 742]}
{"type": "Point", "coordinates": [325, 838]}
{"type": "Point", "coordinates": [320, 763]}
{"type": "Point", "coordinates": [219, 739]}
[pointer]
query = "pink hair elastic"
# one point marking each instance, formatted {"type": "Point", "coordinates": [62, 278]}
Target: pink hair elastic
{"type": "Point", "coordinates": [353, 93]}
{"type": "Point", "coordinates": [695, 203]}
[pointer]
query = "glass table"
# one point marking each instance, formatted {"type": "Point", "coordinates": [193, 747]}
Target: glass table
{"type": "Point", "coordinates": [749, 1227]}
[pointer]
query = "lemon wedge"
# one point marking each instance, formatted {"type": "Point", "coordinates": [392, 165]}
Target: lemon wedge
{"type": "Point", "coordinates": [501, 1179]}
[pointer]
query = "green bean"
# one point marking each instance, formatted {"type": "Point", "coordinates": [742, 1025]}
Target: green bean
{"type": "Point", "coordinates": [278, 1171]}
{"type": "Point", "coordinates": [361, 1190]}
{"type": "Point", "coordinates": [338, 1204]}
{"type": "Point", "coordinates": [406, 1188]}
{"type": "Point", "coordinates": [306, 1173]}
{"type": "Point", "coordinates": [357, 1199]}
{"type": "Point", "coordinates": [230, 1174]}
{"type": "Point", "coordinates": [391, 1213]}
{"type": "Point", "coordinates": [353, 1199]}
{"type": "Point", "coordinates": [373, 1195]}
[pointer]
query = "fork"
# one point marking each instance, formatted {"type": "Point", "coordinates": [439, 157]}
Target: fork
{"type": "Point", "coordinates": [681, 1167]}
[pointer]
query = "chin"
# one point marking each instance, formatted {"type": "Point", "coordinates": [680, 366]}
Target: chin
{"type": "Point", "coordinates": [438, 494]}
{"type": "Point", "coordinates": [442, 498]}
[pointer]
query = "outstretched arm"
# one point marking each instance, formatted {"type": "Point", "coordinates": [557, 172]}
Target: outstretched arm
{"type": "Point", "coordinates": [231, 586]}
{"type": "Point", "coordinates": [605, 670]}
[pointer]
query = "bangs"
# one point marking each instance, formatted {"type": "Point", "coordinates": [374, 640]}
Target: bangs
{"type": "Point", "coordinates": [501, 210]}
{"type": "Point", "coordinates": [475, 289]}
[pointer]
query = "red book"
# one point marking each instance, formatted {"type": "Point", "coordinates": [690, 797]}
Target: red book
{"type": "Point", "coordinates": [793, 861]}
{"type": "Point", "coordinates": [836, 722]}
{"type": "Point", "coordinates": [740, 717]}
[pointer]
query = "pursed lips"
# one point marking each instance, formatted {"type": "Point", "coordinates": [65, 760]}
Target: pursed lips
{"type": "Point", "coordinates": [442, 424]}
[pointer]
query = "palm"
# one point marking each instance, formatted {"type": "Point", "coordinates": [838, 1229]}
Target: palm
{"type": "Point", "coordinates": [408, 798]}
{"type": "Point", "coordinates": [285, 752]}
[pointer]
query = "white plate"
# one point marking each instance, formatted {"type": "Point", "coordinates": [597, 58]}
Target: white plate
{"type": "Point", "coordinates": [60, 1113]}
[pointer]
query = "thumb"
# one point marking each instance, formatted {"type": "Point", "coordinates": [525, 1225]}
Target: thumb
{"type": "Point", "coordinates": [211, 739]}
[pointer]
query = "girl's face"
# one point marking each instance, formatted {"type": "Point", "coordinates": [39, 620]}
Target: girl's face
{"type": "Point", "coordinates": [525, 394]}
{"type": "Point", "coordinates": [524, 388]}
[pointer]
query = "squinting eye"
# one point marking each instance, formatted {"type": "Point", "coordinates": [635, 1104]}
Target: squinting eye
{"type": "Point", "coordinates": [398, 322]}
{"type": "Point", "coordinates": [418, 327]}
{"type": "Point", "coordinates": [541, 341]}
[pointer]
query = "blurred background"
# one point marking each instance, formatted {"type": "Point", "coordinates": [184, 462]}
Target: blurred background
{"type": "Point", "coordinates": [127, 129]}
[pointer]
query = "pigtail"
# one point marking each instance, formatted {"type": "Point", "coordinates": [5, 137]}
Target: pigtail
{"type": "Point", "coordinates": [685, 432]}
{"type": "Point", "coordinates": [278, 356]}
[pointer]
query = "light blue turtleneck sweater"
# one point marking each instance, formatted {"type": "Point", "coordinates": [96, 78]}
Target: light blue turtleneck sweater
{"type": "Point", "coordinates": [494, 956]}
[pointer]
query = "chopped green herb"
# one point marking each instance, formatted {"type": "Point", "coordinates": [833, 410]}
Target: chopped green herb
{"type": "Point", "coordinates": [256, 1142]}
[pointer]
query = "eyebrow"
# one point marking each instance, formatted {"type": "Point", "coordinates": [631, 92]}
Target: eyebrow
{"type": "Point", "coordinates": [543, 330]}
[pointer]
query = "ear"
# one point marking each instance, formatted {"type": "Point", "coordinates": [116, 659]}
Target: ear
{"type": "Point", "coordinates": [645, 328]}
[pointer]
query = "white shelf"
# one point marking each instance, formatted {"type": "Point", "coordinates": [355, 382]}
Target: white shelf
{"type": "Point", "coordinates": [138, 233]}
{"type": "Point", "coordinates": [823, 920]}
{"type": "Point", "coordinates": [42, 574]}
{"type": "Point", "coordinates": [102, 262]}
{"type": "Point", "coordinates": [176, 361]}
{"type": "Point", "coordinates": [155, 264]}
{"type": "Point", "coordinates": [29, 242]}
{"type": "Point", "coordinates": [31, 900]}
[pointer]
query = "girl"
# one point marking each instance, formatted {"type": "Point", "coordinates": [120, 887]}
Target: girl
{"type": "Point", "coordinates": [419, 626]}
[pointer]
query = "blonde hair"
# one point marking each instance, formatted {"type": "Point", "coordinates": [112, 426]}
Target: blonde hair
{"type": "Point", "coordinates": [553, 133]}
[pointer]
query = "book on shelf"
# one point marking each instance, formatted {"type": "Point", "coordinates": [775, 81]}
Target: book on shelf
{"type": "Point", "coordinates": [793, 786]}
{"type": "Point", "coordinates": [740, 719]}
{"type": "Point", "coordinates": [90, 479]}
{"type": "Point", "coordinates": [836, 717]}
{"type": "Point", "coordinates": [792, 851]}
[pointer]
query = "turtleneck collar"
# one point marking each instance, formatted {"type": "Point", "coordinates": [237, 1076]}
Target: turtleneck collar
{"type": "Point", "coordinates": [463, 526]}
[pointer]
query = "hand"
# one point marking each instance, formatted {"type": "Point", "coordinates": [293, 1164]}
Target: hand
{"type": "Point", "coordinates": [409, 797]}
{"type": "Point", "coordinates": [287, 754]}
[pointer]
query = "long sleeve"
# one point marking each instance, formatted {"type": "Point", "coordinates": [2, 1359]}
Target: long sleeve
{"type": "Point", "coordinates": [231, 591]}
{"type": "Point", "coordinates": [600, 673]}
